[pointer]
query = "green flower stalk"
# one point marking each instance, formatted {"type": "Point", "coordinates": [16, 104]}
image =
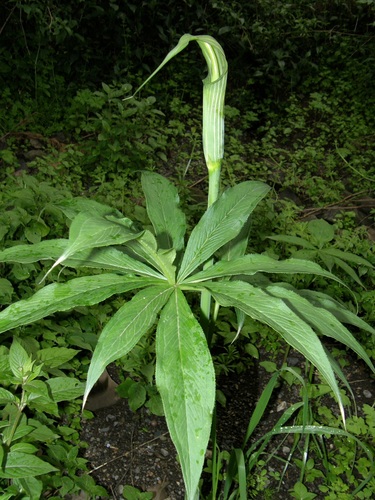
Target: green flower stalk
{"type": "Point", "coordinates": [214, 87]}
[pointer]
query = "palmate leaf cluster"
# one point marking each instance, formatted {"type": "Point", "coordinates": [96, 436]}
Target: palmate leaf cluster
{"type": "Point", "coordinates": [163, 273]}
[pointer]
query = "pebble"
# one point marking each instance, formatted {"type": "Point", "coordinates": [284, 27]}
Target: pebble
{"type": "Point", "coordinates": [367, 394]}
{"type": "Point", "coordinates": [292, 361]}
{"type": "Point", "coordinates": [164, 452]}
{"type": "Point", "coordinates": [281, 406]}
{"type": "Point", "coordinates": [286, 449]}
{"type": "Point", "coordinates": [34, 153]}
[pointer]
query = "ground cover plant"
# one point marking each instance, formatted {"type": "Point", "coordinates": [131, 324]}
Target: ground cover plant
{"type": "Point", "coordinates": [213, 264]}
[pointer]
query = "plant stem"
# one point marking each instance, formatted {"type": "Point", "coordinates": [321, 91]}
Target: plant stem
{"type": "Point", "coordinates": [213, 194]}
{"type": "Point", "coordinates": [16, 421]}
{"type": "Point", "coordinates": [214, 183]}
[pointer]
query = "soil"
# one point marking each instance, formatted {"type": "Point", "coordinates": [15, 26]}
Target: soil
{"type": "Point", "coordinates": [126, 448]}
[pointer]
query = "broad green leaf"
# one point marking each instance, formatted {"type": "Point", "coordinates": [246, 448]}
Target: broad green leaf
{"type": "Point", "coordinates": [84, 291]}
{"type": "Point", "coordinates": [39, 397]}
{"type": "Point", "coordinates": [26, 254]}
{"type": "Point", "coordinates": [137, 396]}
{"type": "Point", "coordinates": [32, 486]}
{"type": "Point", "coordinates": [341, 376]}
{"type": "Point", "coordinates": [5, 371]}
{"type": "Point", "coordinates": [6, 291]}
{"type": "Point", "coordinates": [19, 361]}
{"type": "Point", "coordinates": [255, 263]}
{"type": "Point", "coordinates": [52, 357]}
{"type": "Point", "coordinates": [124, 330]}
{"type": "Point", "coordinates": [348, 270]}
{"type": "Point", "coordinates": [162, 202]}
{"type": "Point", "coordinates": [18, 465]}
{"type": "Point", "coordinates": [321, 230]}
{"type": "Point", "coordinates": [41, 432]}
{"type": "Point", "coordinates": [7, 397]}
{"type": "Point", "coordinates": [36, 388]}
{"type": "Point", "coordinates": [350, 257]}
{"type": "Point", "coordinates": [132, 493]}
{"type": "Point", "coordinates": [293, 240]}
{"type": "Point", "coordinates": [312, 255]}
{"type": "Point", "coordinates": [343, 314]}
{"type": "Point", "coordinates": [274, 312]}
{"type": "Point", "coordinates": [74, 206]}
{"type": "Point", "coordinates": [110, 258]}
{"type": "Point", "coordinates": [24, 448]}
{"type": "Point", "coordinates": [221, 223]}
{"type": "Point", "coordinates": [321, 320]}
{"type": "Point", "coordinates": [232, 250]}
{"type": "Point", "coordinates": [236, 247]}
{"type": "Point", "coordinates": [65, 388]}
{"type": "Point", "coordinates": [186, 381]}
{"type": "Point", "coordinates": [87, 231]}
{"type": "Point", "coordinates": [145, 248]}
{"type": "Point", "coordinates": [22, 428]}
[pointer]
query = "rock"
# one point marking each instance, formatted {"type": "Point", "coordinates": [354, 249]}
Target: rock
{"type": "Point", "coordinates": [281, 406]}
{"type": "Point", "coordinates": [33, 154]}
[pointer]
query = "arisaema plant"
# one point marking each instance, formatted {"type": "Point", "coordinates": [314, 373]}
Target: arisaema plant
{"type": "Point", "coordinates": [164, 267]}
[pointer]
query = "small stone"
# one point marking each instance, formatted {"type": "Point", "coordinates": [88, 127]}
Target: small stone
{"type": "Point", "coordinates": [164, 452]}
{"type": "Point", "coordinates": [286, 449]}
{"type": "Point", "coordinates": [281, 406]}
{"type": "Point", "coordinates": [33, 153]}
{"type": "Point", "coordinates": [292, 361]}
{"type": "Point", "coordinates": [367, 394]}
